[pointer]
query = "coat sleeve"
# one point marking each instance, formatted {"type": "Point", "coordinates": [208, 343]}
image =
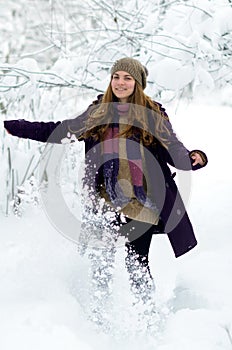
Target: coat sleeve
{"type": "Point", "coordinates": [39, 131]}
{"type": "Point", "coordinates": [175, 153]}
{"type": "Point", "coordinates": [52, 132]}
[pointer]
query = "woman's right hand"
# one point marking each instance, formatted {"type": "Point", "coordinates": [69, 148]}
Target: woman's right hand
{"type": "Point", "coordinates": [7, 131]}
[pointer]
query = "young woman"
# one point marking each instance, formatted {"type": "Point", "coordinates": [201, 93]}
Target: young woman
{"type": "Point", "coordinates": [129, 143]}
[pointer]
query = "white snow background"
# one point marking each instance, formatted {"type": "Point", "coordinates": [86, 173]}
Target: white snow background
{"type": "Point", "coordinates": [43, 279]}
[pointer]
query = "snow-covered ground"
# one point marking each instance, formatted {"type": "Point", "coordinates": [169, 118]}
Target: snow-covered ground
{"type": "Point", "coordinates": [44, 280]}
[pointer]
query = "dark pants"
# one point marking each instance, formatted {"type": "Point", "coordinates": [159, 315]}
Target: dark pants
{"type": "Point", "coordinates": [139, 235]}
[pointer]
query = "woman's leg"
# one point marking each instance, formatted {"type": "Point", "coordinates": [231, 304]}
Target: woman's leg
{"type": "Point", "coordinates": [137, 263]}
{"type": "Point", "coordinates": [102, 261]}
{"type": "Point", "coordinates": [102, 268]}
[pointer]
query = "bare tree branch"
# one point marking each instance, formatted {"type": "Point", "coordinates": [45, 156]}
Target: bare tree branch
{"type": "Point", "coordinates": [35, 53]}
{"type": "Point", "coordinates": [228, 334]}
{"type": "Point", "coordinates": [196, 7]}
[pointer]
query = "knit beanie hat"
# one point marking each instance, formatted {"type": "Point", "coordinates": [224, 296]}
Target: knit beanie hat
{"type": "Point", "coordinates": [133, 67]}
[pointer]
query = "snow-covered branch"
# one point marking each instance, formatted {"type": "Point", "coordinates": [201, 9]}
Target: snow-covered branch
{"type": "Point", "coordinates": [228, 333]}
{"type": "Point", "coordinates": [48, 78]}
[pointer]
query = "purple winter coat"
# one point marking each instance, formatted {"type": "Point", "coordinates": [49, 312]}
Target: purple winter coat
{"type": "Point", "coordinates": [173, 215]}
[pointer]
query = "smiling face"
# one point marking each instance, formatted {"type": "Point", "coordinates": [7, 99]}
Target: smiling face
{"type": "Point", "coordinates": [123, 85]}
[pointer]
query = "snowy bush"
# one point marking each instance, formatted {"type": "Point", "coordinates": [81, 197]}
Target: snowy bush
{"type": "Point", "coordinates": [186, 45]}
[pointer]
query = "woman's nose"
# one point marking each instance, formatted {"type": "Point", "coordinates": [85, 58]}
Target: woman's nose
{"type": "Point", "coordinates": [120, 81]}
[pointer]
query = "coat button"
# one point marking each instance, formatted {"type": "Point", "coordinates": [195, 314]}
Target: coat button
{"type": "Point", "coordinates": [178, 211]}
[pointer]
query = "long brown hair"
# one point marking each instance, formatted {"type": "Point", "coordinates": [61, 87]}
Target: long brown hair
{"type": "Point", "coordinates": [102, 114]}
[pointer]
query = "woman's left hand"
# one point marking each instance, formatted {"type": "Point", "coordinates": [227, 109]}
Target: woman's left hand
{"type": "Point", "coordinates": [197, 159]}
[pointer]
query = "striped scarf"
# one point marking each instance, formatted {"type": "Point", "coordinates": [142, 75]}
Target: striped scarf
{"type": "Point", "coordinates": [111, 164]}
